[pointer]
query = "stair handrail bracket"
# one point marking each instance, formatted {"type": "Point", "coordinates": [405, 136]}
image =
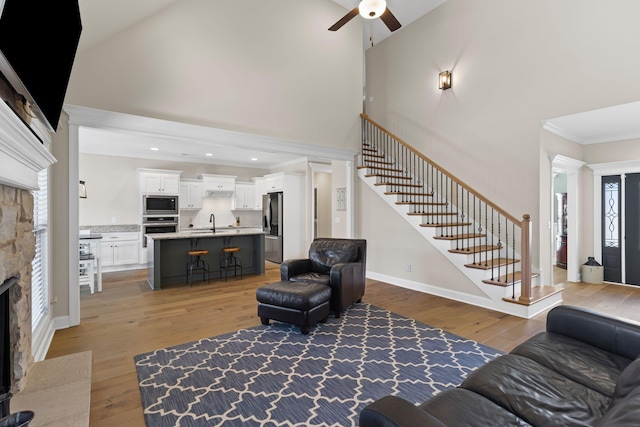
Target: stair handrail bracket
{"type": "Point", "coordinates": [492, 239]}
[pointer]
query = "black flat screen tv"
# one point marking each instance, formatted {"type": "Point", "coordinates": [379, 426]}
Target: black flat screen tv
{"type": "Point", "coordinates": [38, 43]}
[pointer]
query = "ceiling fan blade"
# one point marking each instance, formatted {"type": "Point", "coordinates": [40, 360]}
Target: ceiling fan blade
{"type": "Point", "coordinates": [346, 18]}
{"type": "Point", "coordinates": [390, 20]}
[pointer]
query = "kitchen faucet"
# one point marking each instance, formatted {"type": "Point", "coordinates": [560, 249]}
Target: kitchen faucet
{"type": "Point", "coordinates": [212, 219]}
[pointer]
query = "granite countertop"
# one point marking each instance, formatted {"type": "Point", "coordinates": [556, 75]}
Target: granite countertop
{"type": "Point", "coordinates": [111, 228]}
{"type": "Point", "coordinates": [228, 232]}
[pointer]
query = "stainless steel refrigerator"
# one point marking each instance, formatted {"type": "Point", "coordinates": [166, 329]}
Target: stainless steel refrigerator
{"type": "Point", "coordinates": [272, 226]}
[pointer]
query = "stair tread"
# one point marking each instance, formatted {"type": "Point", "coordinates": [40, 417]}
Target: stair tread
{"type": "Point", "coordinates": [382, 175]}
{"type": "Point", "coordinates": [432, 213]}
{"type": "Point", "coordinates": [508, 279]}
{"type": "Point", "coordinates": [377, 168]}
{"type": "Point", "coordinates": [400, 184]}
{"type": "Point", "coordinates": [448, 224]}
{"type": "Point", "coordinates": [422, 203]}
{"type": "Point", "coordinates": [407, 193]}
{"type": "Point", "coordinates": [538, 293]}
{"type": "Point", "coordinates": [376, 156]}
{"type": "Point", "coordinates": [378, 162]}
{"type": "Point", "coordinates": [475, 249]}
{"type": "Point", "coordinates": [460, 236]}
{"type": "Point", "coordinates": [492, 263]}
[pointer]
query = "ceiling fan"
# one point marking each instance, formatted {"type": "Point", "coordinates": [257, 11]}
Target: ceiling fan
{"type": "Point", "coordinates": [370, 9]}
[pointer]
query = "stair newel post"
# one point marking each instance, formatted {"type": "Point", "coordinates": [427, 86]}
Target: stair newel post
{"type": "Point", "coordinates": [525, 291]}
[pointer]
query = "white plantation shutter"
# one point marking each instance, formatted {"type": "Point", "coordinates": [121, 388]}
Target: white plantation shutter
{"type": "Point", "coordinates": [40, 264]}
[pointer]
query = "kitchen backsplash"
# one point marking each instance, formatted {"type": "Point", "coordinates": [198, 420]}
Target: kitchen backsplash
{"type": "Point", "coordinates": [221, 208]}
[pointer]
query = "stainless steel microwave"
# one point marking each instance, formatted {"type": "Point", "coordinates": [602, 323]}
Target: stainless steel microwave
{"type": "Point", "coordinates": [160, 205]}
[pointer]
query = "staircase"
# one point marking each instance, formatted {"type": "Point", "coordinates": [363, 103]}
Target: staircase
{"type": "Point", "coordinates": [486, 243]}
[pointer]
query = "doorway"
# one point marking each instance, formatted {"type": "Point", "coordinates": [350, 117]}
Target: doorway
{"type": "Point", "coordinates": [322, 204]}
{"type": "Point", "coordinates": [620, 210]}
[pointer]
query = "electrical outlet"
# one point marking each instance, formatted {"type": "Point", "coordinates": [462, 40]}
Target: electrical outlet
{"type": "Point", "coordinates": [113, 220]}
{"type": "Point", "coordinates": [408, 268]}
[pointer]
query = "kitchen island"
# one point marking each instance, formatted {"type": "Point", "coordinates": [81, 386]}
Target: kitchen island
{"type": "Point", "coordinates": [167, 253]}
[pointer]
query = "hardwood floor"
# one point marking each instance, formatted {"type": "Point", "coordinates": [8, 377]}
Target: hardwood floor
{"type": "Point", "coordinates": [128, 318]}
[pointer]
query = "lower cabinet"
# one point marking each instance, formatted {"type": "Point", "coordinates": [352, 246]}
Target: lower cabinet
{"type": "Point", "coordinates": [119, 249]}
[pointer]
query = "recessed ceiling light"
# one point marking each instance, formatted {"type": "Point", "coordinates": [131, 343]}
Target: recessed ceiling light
{"type": "Point", "coordinates": [209, 154]}
{"type": "Point", "coordinates": [154, 149]}
{"type": "Point", "coordinates": [254, 159]}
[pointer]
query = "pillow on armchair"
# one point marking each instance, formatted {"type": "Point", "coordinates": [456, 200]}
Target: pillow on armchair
{"type": "Point", "coordinates": [324, 254]}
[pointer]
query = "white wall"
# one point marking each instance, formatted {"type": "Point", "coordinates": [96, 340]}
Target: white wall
{"type": "Point", "coordinates": [514, 64]}
{"type": "Point", "coordinates": [262, 67]}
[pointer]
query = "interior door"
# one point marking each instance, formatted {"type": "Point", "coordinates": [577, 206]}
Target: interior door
{"type": "Point", "coordinates": [632, 229]}
{"type": "Point", "coordinates": [611, 230]}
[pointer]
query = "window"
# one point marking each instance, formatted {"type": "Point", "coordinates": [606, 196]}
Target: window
{"type": "Point", "coordinates": [40, 263]}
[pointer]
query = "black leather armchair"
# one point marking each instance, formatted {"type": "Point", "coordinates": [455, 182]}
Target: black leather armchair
{"type": "Point", "coordinates": [338, 263]}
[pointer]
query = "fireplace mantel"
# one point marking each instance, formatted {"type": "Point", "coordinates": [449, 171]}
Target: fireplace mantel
{"type": "Point", "coordinates": [22, 154]}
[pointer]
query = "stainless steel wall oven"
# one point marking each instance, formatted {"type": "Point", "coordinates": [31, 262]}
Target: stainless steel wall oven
{"type": "Point", "coordinates": [158, 224]}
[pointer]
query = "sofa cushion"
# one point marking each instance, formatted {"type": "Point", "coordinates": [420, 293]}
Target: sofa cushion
{"type": "Point", "coordinates": [628, 381]}
{"type": "Point", "coordinates": [311, 278]}
{"type": "Point", "coordinates": [461, 407]}
{"type": "Point", "coordinates": [623, 412]}
{"type": "Point", "coordinates": [583, 363]}
{"type": "Point", "coordinates": [324, 254]}
{"type": "Point", "coordinates": [536, 393]}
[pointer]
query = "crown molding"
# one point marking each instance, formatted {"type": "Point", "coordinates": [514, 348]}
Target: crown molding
{"type": "Point", "coordinates": [22, 153]}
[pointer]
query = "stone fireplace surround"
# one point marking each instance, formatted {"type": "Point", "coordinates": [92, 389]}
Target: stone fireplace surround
{"type": "Point", "coordinates": [22, 156]}
{"type": "Point", "coordinates": [17, 249]}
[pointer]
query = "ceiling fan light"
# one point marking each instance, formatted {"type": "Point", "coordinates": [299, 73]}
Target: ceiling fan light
{"type": "Point", "coordinates": [371, 9]}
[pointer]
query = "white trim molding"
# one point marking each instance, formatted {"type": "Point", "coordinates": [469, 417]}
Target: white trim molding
{"type": "Point", "coordinates": [22, 153]}
{"type": "Point", "coordinates": [109, 120]}
{"type": "Point", "coordinates": [570, 167]}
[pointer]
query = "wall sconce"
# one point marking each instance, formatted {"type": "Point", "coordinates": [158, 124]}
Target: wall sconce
{"type": "Point", "coordinates": [83, 190]}
{"type": "Point", "coordinates": [444, 79]}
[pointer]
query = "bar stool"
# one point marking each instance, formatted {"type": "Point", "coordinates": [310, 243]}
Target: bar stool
{"type": "Point", "coordinates": [197, 265]}
{"type": "Point", "coordinates": [229, 260]}
{"type": "Point", "coordinates": [86, 267]}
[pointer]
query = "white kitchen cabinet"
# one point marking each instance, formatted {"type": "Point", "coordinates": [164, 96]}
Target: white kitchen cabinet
{"type": "Point", "coordinates": [274, 182]}
{"type": "Point", "coordinates": [261, 190]}
{"type": "Point", "coordinates": [159, 182]}
{"type": "Point", "coordinates": [191, 194]}
{"type": "Point", "coordinates": [245, 196]}
{"type": "Point", "coordinates": [218, 183]}
{"type": "Point", "coordinates": [119, 249]}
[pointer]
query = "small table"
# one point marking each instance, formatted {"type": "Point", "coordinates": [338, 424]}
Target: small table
{"type": "Point", "coordinates": [98, 252]}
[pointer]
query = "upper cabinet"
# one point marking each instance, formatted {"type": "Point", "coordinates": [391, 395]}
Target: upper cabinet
{"type": "Point", "coordinates": [245, 196]}
{"type": "Point", "coordinates": [155, 181]}
{"type": "Point", "coordinates": [218, 184]}
{"type": "Point", "coordinates": [191, 194]}
{"type": "Point", "coordinates": [274, 182]}
{"type": "Point", "coordinates": [260, 190]}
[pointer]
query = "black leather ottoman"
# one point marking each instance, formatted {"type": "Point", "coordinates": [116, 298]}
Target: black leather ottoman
{"type": "Point", "coordinates": [301, 304]}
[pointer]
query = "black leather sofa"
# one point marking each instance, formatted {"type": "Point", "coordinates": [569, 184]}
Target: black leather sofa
{"type": "Point", "coordinates": [338, 263]}
{"type": "Point", "coordinates": [583, 371]}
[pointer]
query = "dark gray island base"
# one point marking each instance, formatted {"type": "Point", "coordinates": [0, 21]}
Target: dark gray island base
{"type": "Point", "coordinates": [167, 254]}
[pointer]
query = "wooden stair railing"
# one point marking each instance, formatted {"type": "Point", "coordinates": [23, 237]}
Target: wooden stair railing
{"type": "Point", "coordinates": [493, 237]}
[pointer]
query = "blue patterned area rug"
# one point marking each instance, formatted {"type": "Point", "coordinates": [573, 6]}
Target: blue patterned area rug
{"type": "Point", "coordinates": [274, 376]}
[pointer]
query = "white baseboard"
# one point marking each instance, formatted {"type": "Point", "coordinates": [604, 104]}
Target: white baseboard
{"type": "Point", "coordinates": [433, 290]}
{"type": "Point", "coordinates": [41, 343]}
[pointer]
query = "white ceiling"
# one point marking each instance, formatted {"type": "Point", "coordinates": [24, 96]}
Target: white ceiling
{"type": "Point", "coordinates": [406, 11]}
{"type": "Point", "coordinates": [608, 124]}
{"type": "Point", "coordinates": [127, 144]}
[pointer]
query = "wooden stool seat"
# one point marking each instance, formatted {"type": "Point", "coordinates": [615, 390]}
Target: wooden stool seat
{"type": "Point", "coordinates": [198, 252]}
{"type": "Point", "coordinates": [230, 249]}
